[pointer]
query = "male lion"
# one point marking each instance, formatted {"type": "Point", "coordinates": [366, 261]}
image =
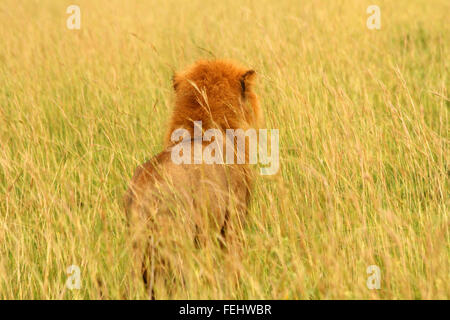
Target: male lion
{"type": "Point", "coordinates": [170, 205]}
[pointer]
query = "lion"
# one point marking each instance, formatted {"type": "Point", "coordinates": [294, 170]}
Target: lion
{"type": "Point", "coordinates": [168, 203]}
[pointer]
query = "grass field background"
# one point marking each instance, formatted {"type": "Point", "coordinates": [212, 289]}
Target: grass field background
{"type": "Point", "coordinates": [364, 153]}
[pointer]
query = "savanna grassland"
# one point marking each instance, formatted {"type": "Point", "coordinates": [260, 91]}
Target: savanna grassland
{"type": "Point", "coordinates": [364, 144]}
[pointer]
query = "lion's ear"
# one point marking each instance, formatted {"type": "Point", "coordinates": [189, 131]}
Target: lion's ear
{"type": "Point", "coordinates": [175, 81]}
{"type": "Point", "coordinates": [247, 80]}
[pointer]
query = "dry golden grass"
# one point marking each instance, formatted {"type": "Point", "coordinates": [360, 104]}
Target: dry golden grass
{"type": "Point", "coordinates": [364, 133]}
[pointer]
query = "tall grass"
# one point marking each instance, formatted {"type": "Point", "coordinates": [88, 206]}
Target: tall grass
{"type": "Point", "coordinates": [364, 133]}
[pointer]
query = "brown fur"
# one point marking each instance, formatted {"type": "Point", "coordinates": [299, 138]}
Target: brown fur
{"type": "Point", "coordinates": [169, 203]}
{"type": "Point", "coordinates": [219, 93]}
